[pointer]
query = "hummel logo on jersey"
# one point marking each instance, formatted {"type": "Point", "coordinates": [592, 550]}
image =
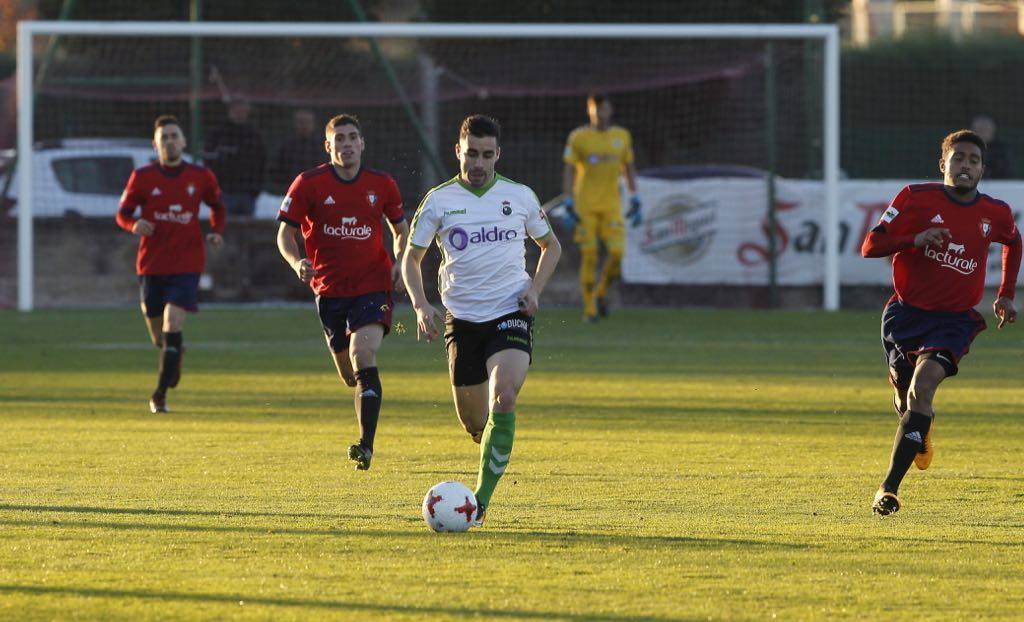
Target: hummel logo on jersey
{"type": "Point", "coordinates": [938, 219]}
{"type": "Point", "coordinates": [156, 192]}
{"type": "Point", "coordinates": [914, 436]}
{"type": "Point", "coordinates": [329, 201]}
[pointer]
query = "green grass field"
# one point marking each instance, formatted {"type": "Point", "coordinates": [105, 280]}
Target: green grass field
{"type": "Point", "coordinates": [669, 465]}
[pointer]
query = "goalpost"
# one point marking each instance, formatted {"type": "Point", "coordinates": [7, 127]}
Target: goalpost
{"type": "Point", "coordinates": [827, 35]}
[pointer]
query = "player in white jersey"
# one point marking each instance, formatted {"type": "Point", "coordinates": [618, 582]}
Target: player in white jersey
{"type": "Point", "coordinates": [480, 220]}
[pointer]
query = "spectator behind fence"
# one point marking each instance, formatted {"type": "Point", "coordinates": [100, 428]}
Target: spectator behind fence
{"type": "Point", "coordinates": [237, 156]}
{"type": "Point", "coordinates": [998, 159]}
{"type": "Point", "coordinates": [302, 151]}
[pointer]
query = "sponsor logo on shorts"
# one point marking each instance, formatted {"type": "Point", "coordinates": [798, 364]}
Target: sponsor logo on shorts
{"type": "Point", "coordinates": [460, 239]}
{"type": "Point", "coordinates": [349, 229]}
{"type": "Point", "coordinates": [514, 324]}
{"type": "Point", "coordinates": [914, 436]}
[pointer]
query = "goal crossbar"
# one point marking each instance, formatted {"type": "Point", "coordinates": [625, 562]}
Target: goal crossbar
{"type": "Point", "coordinates": [828, 34]}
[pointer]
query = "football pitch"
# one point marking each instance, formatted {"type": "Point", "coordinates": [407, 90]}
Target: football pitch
{"type": "Point", "coordinates": [668, 465]}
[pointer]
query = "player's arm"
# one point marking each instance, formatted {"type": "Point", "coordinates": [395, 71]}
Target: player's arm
{"type": "Point", "coordinates": [1003, 305]}
{"type": "Point", "coordinates": [412, 273]}
{"type": "Point", "coordinates": [132, 199]}
{"type": "Point", "coordinates": [293, 210]}
{"type": "Point", "coordinates": [425, 225]}
{"type": "Point", "coordinates": [568, 178]}
{"type": "Point", "coordinates": [894, 234]}
{"type": "Point", "coordinates": [539, 229]}
{"type": "Point", "coordinates": [629, 172]}
{"type": "Point", "coordinates": [550, 252]}
{"type": "Point", "coordinates": [879, 242]}
{"type": "Point", "coordinates": [400, 235]}
{"type": "Point", "coordinates": [288, 246]}
{"type": "Point", "coordinates": [218, 211]}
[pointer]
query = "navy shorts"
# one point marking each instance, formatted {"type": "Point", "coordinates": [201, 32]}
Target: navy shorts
{"type": "Point", "coordinates": [157, 290]}
{"type": "Point", "coordinates": [470, 344]}
{"type": "Point", "coordinates": [341, 317]}
{"type": "Point", "coordinates": [908, 332]}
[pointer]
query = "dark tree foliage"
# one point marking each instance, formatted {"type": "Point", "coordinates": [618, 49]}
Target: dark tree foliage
{"type": "Point", "coordinates": [639, 11]}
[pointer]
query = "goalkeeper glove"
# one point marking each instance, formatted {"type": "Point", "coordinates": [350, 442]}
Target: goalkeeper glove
{"type": "Point", "coordinates": [633, 214]}
{"type": "Point", "coordinates": [567, 214]}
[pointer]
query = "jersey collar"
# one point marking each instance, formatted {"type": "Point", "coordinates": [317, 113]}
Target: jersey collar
{"type": "Point", "coordinates": [952, 197]}
{"type": "Point", "coordinates": [479, 192]}
{"type": "Point", "coordinates": [171, 171]}
{"type": "Point", "coordinates": [334, 172]}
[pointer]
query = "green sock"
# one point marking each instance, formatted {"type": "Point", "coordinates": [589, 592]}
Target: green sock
{"type": "Point", "coordinates": [495, 451]}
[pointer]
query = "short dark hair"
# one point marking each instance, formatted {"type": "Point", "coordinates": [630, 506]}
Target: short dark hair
{"type": "Point", "coordinates": [342, 119]}
{"type": "Point", "coordinates": [481, 126]}
{"type": "Point", "coordinates": [963, 136]}
{"type": "Point", "coordinates": [165, 119]}
{"type": "Point", "coordinates": [597, 98]}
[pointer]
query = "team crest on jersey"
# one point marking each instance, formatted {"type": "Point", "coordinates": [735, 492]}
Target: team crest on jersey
{"type": "Point", "coordinates": [191, 189]}
{"type": "Point", "coordinates": [617, 143]}
{"type": "Point", "coordinates": [986, 227]}
{"type": "Point", "coordinates": [506, 208]}
{"type": "Point", "coordinates": [371, 197]}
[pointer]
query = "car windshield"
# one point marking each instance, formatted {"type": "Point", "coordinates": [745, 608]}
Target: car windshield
{"type": "Point", "coordinates": [93, 174]}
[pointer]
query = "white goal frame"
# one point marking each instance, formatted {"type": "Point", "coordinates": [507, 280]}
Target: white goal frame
{"type": "Point", "coordinates": [827, 33]}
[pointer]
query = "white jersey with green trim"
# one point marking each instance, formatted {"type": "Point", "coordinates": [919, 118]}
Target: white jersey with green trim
{"type": "Point", "coordinates": [481, 233]}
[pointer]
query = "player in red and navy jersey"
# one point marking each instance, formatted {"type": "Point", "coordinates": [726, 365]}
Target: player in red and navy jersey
{"type": "Point", "coordinates": [339, 207]}
{"type": "Point", "coordinates": [938, 236]}
{"type": "Point", "coordinates": [171, 250]}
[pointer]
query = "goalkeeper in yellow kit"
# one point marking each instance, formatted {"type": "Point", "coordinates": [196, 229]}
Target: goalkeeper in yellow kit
{"type": "Point", "coordinates": [595, 156]}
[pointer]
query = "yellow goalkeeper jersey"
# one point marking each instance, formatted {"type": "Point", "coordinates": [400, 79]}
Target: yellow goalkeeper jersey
{"type": "Point", "coordinates": [599, 156]}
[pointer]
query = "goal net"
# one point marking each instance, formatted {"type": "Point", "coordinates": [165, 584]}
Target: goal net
{"type": "Point", "coordinates": [733, 127]}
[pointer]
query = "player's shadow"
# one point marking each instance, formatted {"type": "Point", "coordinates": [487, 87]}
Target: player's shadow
{"type": "Point", "coordinates": [348, 605]}
{"type": "Point", "coordinates": [564, 539]}
{"type": "Point", "coordinates": [84, 509]}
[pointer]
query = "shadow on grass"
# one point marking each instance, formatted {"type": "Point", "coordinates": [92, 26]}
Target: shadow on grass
{"type": "Point", "coordinates": [379, 608]}
{"type": "Point", "coordinates": [511, 536]}
{"type": "Point", "coordinates": [83, 509]}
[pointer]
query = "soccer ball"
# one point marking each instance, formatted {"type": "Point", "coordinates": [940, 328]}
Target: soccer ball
{"type": "Point", "coordinates": [449, 506]}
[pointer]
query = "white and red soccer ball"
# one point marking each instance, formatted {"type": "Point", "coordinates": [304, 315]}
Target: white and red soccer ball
{"type": "Point", "coordinates": [449, 506]}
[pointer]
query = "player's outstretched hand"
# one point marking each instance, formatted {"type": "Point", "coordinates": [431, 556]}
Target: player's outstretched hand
{"type": "Point", "coordinates": [936, 236]}
{"type": "Point", "coordinates": [396, 276]}
{"type": "Point", "coordinates": [528, 302]}
{"type": "Point", "coordinates": [634, 215]}
{"type": "Point", "coordinates": [304, 270]}
{"type": "Point", "coordinates": [425, 327]}
{"type": "Point", "coordinates": [142, 227]}
{"type": "Point", "coordinates": [215, 240]}
{"type": "Point", "coordinates": [1005, 311]}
